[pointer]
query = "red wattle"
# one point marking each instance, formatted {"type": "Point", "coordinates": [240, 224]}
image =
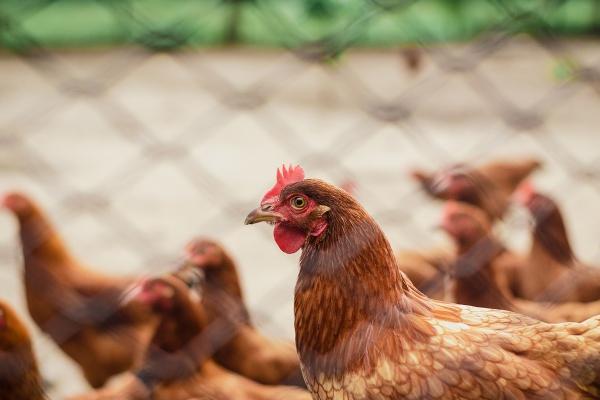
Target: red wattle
{"type": "Point", "coordinates": [288, 238]}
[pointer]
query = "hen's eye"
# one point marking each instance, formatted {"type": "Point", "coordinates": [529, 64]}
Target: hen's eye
{"type": "Point", "coordinates": [298, 202]}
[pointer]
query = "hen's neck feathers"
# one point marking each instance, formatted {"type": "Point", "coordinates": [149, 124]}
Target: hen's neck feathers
{"type": "Point", "coordinates": [474, 255]}
{"type": "Point", "coordinates": [550, 237]}
{"type": "Point", "coordinates": [39, 239]}
{"type": "Point", "coordinates": [224, 292]}
{"type": "Point", "coordinates": [350, 292]}
{"type": "Point", "coordinates": [180, 344]}
{"type": "Point", "coordinates": [475, 278]}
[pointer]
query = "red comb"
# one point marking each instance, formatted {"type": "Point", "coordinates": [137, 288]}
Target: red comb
{"type": "Point", "coordinates": [285, 176]}
{"type": "Point", "coordinates": [12, 201]}
{"type": "Point", "coordinates": [524, 192]}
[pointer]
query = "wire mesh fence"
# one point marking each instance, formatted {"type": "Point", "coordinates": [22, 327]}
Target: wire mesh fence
{"type": "Point", "coordinates": [136, 149]}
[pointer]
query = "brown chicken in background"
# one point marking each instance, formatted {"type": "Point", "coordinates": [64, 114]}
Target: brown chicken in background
{"type": "Point", "coordinates": [489, 186]}
{"type": "Point", "coordinates": [479, 268]}
{"type": "Point", "coordinates": [363, 331]}
{"type": "Point", "coordinates": [428, 270]}
{"type": "Point", "coordinates": [484, 267]}
{"type": "Point", "coordinates": [243, 348]}
{"type": "Point", "coordinates": [19, 375]}
{"type": "Point", "coordinates": [76, 306]}
{"type": "Point", "coordinates": [553, 273]}
{"type": "Point", "coordinates": [178, 364]}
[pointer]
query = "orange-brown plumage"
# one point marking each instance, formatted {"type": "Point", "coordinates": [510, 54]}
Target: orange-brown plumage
{"type": "Point", "coordinates": [363, 331]}
{"type": "Point", "coordinates": [428, 270]}
{"type": "Point", "coordinates": [222, 293]}
{"type": "Point", "coordinates": [243, 348]}
{"type": "Point", "coordinates": [480, 259]}
{"type": "Point", "coordinates": [488, 186]}
{"type": "Point", "coordinates": [484, 268]}
{"type": "Point", "coordinates": [75, 305]}
{"type": "Point", "coordinates": [19, 375]}
{"type": "Point", "coordinates": [178, 364]}
{"type": "Point", "coordinates": [553, 272]}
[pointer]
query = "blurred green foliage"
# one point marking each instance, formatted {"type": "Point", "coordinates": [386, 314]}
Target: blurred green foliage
{"type": "Point", "coordinates": [169, 24]}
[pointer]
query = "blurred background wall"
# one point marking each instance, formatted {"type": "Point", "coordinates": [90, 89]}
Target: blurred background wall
{"type": "Point", "coordinates": [139, 124]}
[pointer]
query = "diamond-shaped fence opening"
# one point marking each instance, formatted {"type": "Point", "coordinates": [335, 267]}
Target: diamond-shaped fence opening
{"type": "Point", "coordinates": [140, 124]}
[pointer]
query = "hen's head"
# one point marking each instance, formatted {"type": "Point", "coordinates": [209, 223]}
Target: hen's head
{"type": "Point", "coordinates": [541, 207]}
{"type": "Point", "coordinates": [163, 294]}
{"type": "Point", "coordinates": [549, 225]}
{"type": "Point", "coordinates": [297, 207]}
{"type": "Point", "coordinates": [13, 333]}
{"type": "Point", "coordinates": [203, 259]}
{"type": "Point", "coordinates": [452, 183]}
{"type": "Point", "coordinates": [181, 318]}
{"type": "Point", "coordinates": [465, 223]}
{"type": "Point", "coordinates": [18, 203]}
{"type": "Point", "coordinates": [205, 254]}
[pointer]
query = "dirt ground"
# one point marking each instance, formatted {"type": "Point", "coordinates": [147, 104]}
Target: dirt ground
{"type": "Point", "coordinates": [132, 153]}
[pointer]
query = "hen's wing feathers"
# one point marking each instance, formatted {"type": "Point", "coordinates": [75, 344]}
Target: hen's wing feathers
{"type": "Point", "coordinates": [489, 353]}
{"type": "Point", "coordinates": [512, 353]}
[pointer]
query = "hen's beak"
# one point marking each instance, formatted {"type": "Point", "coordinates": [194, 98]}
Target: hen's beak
{"type": "Point", "coordinates": [262, 215]}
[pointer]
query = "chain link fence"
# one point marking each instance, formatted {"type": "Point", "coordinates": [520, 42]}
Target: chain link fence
{"type": "Point", "coordinates": [134, 149]}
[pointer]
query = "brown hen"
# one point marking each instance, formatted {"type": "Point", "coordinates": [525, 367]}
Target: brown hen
{"type": "Point", "coordinates": [76, 306]}
{"type": "Point", "coordinates": [481, 260]}
{"type": "Point", "coordinates": [553, 273]}
{"type": "Point", "coordinates": [364, 332]}
{"type": "Point", "coordinates": [178, 364]}
{"type": "Point", "coordinates": [243, 348]}
{"type": "Point", "coordinates": [19, 375]}
{"type": "Point", "coordinates": [484, 268]}
{"type": "Point", "coordinates": [488, 186]}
